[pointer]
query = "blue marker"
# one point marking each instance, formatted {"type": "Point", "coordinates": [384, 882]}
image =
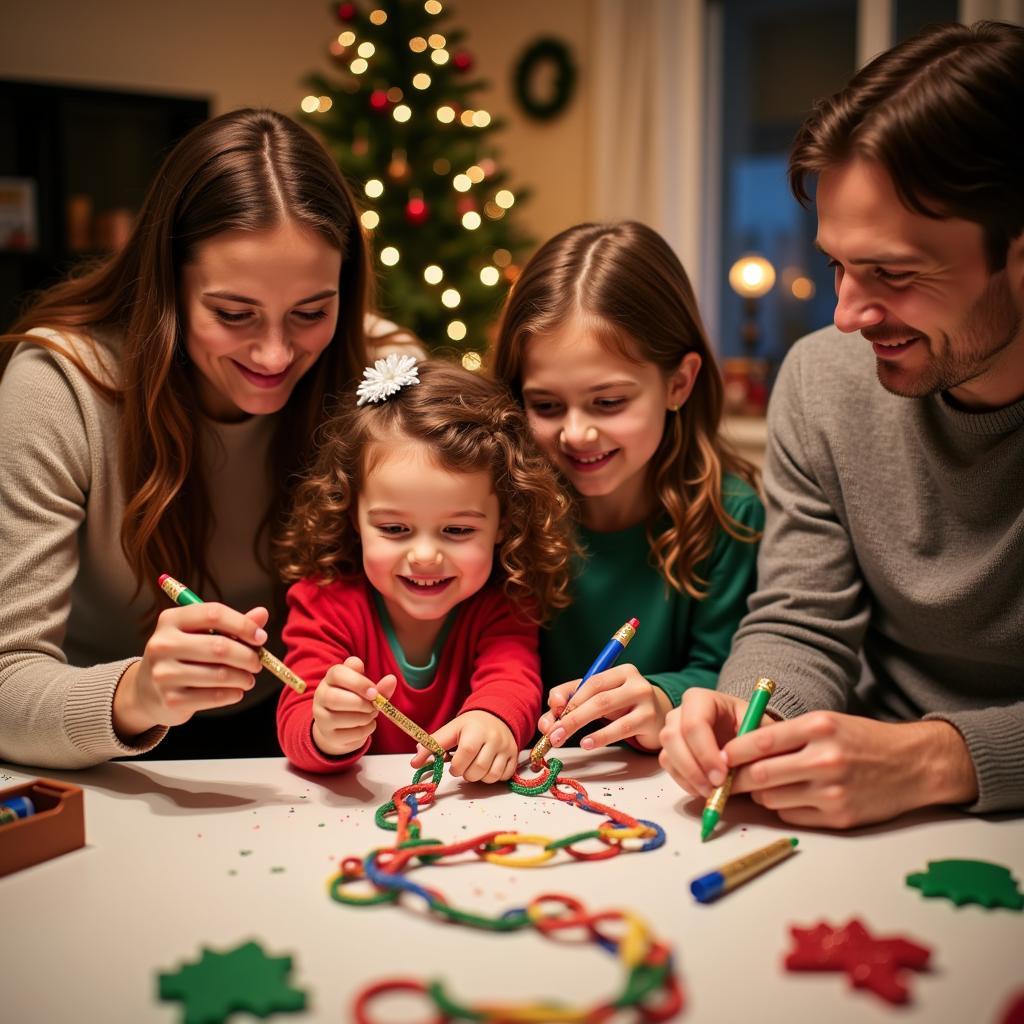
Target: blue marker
{"type": "Point", "coordinates": [714, 883]}
{"type": "Point", "coordinates": [608, 656]}
{"type": "Point", "coordinates": [16, 807]}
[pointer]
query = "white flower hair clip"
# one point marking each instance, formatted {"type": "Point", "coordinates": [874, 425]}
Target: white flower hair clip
{"type": "Point", "coordinates": [386, 377]}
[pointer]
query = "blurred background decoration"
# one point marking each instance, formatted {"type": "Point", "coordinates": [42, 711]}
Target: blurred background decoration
{"type": "Point", "coordinates": [404, 120]}
{"type": "Point", "coordinates": [545, 78]}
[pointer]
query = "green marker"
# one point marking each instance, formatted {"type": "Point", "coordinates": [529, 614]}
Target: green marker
{"type": "Point", "coordinates": [763, 690]}
{"type": "Point", "coordinates": [180, 594]}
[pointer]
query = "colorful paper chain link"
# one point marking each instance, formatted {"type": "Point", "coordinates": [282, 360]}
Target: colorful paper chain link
{"type": "Point", "coordinates": [651, 986]}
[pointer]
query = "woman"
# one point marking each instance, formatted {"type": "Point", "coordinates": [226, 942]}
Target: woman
{"type": "Point", "coordinates": [153, 421]}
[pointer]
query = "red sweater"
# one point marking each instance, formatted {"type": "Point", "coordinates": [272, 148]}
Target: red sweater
{"type": "Point", "coordinates": [489, 663]}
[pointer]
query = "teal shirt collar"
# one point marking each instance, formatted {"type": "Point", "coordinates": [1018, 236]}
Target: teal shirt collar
{"type": "Point", "coordinates": [419, 677]}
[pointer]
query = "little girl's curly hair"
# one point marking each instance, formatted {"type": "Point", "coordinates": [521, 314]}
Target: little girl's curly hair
{"type": "Point", "coordinates": [471, 423]}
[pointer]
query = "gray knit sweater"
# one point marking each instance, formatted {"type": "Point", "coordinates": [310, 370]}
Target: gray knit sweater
{"type": "Point", "coordinates": [69, 624]}
{"type": "Point", "coordinates": [891, 574]}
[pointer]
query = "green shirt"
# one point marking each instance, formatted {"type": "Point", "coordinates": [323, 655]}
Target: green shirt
{"type": "Point", "coordinates": [681, 642]}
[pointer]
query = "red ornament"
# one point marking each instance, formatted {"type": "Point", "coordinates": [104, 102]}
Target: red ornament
{"type": "Point", "coordinates": [462, 61]}
{"type": "Point", "coordinates": [869, 962]}
{"type": "Point", "coordinates": [465, 204]}
{"type": "Point", "coordinates": [379, 100]}
{"type": "Point", "coordinates": [346, 12]}
{"type": "Point", "coordinates": [416, 211]}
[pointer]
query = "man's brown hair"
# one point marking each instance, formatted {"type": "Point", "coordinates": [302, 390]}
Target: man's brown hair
{"type": "Point", "coordinates": [943, 113]}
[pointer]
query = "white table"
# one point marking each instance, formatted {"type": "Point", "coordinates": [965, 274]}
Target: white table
{"type": "Point", "coordinates": [165, 872]}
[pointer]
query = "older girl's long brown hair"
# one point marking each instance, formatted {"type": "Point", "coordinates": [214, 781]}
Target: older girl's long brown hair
{"type": "Point", "coordinates": [470, 424]}
{"type": "Point", "coordinates": [249, 170]}
{"type": "Point", "coordinates": [626, 280]}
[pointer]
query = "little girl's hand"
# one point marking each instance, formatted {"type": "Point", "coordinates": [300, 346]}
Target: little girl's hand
{"type": "Point", "coordinates": [635, 709]}
{"type": "Point", "coordinates": [486, 750]}
{"type": "Point", "coordinates": [343, 710]}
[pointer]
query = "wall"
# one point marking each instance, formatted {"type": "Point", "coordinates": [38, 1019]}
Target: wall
{"type": "Point", "coordinates": [551, 157]}
{"type": "Point", "coordinates": [256, 52]}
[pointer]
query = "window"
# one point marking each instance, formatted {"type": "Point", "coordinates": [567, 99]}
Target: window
{"type": "Point", "coordinates": [770, 60]}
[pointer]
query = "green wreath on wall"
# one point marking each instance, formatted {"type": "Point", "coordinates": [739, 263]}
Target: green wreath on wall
{"type": "Point", "coordinates": [546, 50]}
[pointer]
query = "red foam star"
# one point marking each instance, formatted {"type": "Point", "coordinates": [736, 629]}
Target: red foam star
{"type": "Point", "coordinates": [869, 962]}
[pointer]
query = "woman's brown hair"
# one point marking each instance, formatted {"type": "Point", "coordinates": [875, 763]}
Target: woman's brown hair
{"type": "Point", "coordinates": [470, 424]}
{"type": "Point", "coordinates": [630, 286]}
{"type": "Point", "coordinates": [247, 170]}
{"type": "Point", "coordinates": [943, 113]}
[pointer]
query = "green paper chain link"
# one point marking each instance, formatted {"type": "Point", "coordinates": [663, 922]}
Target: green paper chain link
{"type": "Point", "coordinates": [555, 767]}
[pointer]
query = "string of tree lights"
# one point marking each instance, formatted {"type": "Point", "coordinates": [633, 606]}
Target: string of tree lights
{"type": "Point", "coordinates": [401, 123]}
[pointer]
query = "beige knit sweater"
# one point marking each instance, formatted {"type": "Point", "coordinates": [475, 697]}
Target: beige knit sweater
{"type": "Point", "coordinates": [68, 619]}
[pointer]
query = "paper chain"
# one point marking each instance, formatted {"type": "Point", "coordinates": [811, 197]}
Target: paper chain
{"type": "Point", "coordinates": [650, 974]}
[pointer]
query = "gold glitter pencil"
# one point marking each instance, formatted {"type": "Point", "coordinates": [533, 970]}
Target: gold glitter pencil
{"type": "Point", "coordinates": [736, 872]}
{"type": "Point", "coordinates": [410, 728]}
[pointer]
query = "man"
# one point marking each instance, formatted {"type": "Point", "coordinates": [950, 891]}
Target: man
{"type": "Point", "coordinates": [890, 608]}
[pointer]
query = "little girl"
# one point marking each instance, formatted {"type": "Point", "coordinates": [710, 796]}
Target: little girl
{"type": "Point", "coordinates": [429, 540]}
{"type": "Point", "coordinates": [602, 342]}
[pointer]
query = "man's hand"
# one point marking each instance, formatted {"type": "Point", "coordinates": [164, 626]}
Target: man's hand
{"type": "Point", "coordinates": [822, 769]}
{"type": "Point", "coordinates": [485, 749]}
{"type": "Point", "coordinates": [831, 770]}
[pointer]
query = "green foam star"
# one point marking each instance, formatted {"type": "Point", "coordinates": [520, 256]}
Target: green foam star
{"type": "Point", "coordinates": [242, 979]}
{"type": "Point", "coordinates": [969, 881]}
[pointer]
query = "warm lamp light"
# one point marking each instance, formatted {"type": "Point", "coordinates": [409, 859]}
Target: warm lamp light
{"type": "Point", "coordinates": [751, 276]}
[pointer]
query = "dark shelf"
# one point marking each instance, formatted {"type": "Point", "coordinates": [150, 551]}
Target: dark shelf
{"type": "Point", "coordinates": [98, 145]}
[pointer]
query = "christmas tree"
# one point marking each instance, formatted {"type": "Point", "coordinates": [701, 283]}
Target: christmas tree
{"type": "Point", "coordinates": [401, 122]}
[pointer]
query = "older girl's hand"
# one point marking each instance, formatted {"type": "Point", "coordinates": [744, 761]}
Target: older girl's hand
{"type": "Point", "coordinates": [634, 708]}
{"type": "Point", "coordinates": [694, 735]}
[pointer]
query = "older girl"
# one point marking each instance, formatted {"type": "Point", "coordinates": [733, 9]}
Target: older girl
{"type": "Point", "coordinates": [602, 342]}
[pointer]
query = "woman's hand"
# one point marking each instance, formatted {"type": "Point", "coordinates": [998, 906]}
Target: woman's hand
{"type": "Point", "coordinates": [199, 656]}
{"type": "Point", "coordinates": [344, 714]}
{"type": "Point", "coordinates": [635, 708]}
{"type": "Point", "coordinates": [485, 749]}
